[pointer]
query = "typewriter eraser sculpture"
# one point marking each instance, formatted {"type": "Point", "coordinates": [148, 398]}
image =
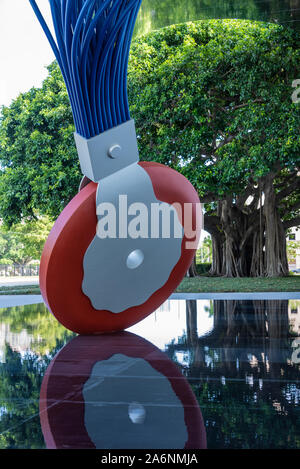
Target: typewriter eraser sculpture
{"type": "Point", "coordinates": [123, 244]}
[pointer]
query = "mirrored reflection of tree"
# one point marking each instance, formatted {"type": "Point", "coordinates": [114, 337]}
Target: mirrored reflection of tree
{"type": "Point", "coordinates": [155, 14]}
{"type": "Point", "coordinates": [37, 322]}
{"type": "Point", "coordinates": [29, 337]}
{"type": "Point", "coordinates": [20, 381]}
{"type": "Point", "coordinates": [242, 374]}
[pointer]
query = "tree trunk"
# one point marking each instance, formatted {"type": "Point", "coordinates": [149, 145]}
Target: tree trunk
{"type": "Point", "coordinates": [257, 258]}
{"type": "Point", "coordinates": [231, 242]}
{"type": "Point", "coordinates": [276, 263]}
{"type": "Point", "coordinates": [234, 225]}
{"type": "Point", "coordinates": [217, 255]}
{"type": "Point", "coordinates": [192, 272]}
{"type": "Point", "coordinates": [248, 239]}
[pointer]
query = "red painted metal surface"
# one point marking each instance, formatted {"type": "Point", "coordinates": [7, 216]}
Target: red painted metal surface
{"type": "Point", "coordinates": [61, 271]}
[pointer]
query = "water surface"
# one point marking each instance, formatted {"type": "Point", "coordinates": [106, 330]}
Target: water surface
{"type": "Point", "coordinates": [215, 373]}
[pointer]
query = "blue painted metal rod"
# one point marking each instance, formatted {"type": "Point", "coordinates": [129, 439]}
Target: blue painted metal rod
{"type": "Point", "coordinates": [91, 45]}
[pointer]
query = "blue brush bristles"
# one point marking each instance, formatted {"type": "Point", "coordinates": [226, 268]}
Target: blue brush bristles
{"type": "Point", "coordinates": [92, 48]}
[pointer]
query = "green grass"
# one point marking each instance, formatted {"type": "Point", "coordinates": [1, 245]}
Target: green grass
{"type": "Point", "coordinates": [20, 290]}
{"type": "Point", "coordinates": [203, 284]}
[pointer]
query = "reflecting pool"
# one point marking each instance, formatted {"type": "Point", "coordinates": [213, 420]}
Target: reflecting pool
{"type": "Point", "coordinates": [194, 374]}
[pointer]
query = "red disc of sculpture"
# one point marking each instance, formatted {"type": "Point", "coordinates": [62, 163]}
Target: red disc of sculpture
{"type": "Point", "coordinates": [61, 270]}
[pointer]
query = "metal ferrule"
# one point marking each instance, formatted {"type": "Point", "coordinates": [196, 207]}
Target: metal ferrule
{"type": "Point", "coordinates": [108, 152]}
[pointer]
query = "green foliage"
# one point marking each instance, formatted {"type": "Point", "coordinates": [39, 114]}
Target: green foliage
{"type": "Point", "coordinates": [155, 14]}
{"type": "Point", "coordinates": [40, 168]}
{"type": "Point", "coordinates": [212, 99]}
{"type": "Point", "coordinates": [238, 417]}
{"type": "Point", "coordinates": [45, 330]}
{"type": "Point", "coordinates": [292, 248]}
{"type": "Point", "coordinates": [204, 252]}
{"type": "Point", "coordinates": [203, 268]}
{"type": "Point", "coordinates": [20, 290]}
{"type": "Point", "coordinates": [24, 242]}
{"type": "Point", "coordinates": [21, 374]}
{"type": "Point", "coordinates": [20, 381]}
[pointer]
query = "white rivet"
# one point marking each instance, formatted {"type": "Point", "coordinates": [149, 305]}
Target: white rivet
{"type": "Point", "coordinates": [135, 259]}
{"type": "Point", "coordinates": [114, 151]}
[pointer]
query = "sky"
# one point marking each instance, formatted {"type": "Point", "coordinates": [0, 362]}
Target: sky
{"type": "Point", "coordinates": [24, 49]}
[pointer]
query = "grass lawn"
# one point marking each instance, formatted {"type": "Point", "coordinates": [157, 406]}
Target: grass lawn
{"type": "Point", "coordinates": [20, 290]}
{"type": "Point", "coordinates": [203, 284]}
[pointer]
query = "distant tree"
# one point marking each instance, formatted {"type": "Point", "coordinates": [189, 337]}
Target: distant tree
{"type": "Point", "coordinates": [24, 242]}
{"type": "Point", "coordinates": [207, 245]}
{"type": "Point", "coordinates": [292, 248]}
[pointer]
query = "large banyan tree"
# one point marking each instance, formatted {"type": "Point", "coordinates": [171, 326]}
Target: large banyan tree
{"type": "Point", "coordinates": [212, 99]}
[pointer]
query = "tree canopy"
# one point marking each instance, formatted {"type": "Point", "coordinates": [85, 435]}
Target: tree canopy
{"type": "Point", "coordinates": [40, 168]}
{"type": "Point", "coordinates": [24, 242]}
{"type": "Point", "coordinates": [212, 99]}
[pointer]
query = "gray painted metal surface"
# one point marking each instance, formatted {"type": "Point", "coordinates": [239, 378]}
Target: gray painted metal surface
{"type": "Point", "coordinates": [108, 152]}
{"type": "Point", "coordinates": [109, 282]}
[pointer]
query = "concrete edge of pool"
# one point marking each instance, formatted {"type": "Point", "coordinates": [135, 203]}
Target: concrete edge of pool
{"type": "Point", "coordinates": [7, 301]}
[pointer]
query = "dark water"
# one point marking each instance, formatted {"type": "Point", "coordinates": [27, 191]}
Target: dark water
{"type": "Point", "coordinates": [156, 14]}
{"type": "Point", "coordinates": [221, 374]}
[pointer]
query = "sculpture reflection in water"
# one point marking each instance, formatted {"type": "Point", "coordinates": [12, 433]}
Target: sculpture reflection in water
{"type": "Point", "coordinates": [118, 391]}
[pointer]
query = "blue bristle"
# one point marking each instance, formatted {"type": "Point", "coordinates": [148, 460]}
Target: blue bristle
{"type": "Point", "coordinates": [92, 46]}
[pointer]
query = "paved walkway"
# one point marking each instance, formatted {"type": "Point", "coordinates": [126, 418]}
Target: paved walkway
{"type": "Point", "coordinates": [18, 281]}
